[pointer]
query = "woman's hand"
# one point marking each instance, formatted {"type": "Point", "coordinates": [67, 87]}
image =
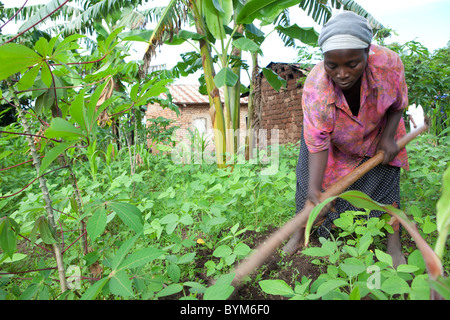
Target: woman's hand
{"type": "Point", "coordinates": [387, 142]}
{"type": "Point", "coordinates": [389, 147]}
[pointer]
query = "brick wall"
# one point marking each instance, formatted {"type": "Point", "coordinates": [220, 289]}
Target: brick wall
{"type": "Point", "coordinates": [280, 110]}
{"type": "Point", "coordinates": [189, 113]}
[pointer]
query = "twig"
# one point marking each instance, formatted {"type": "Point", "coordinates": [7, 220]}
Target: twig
{"type": "Point", "coordinates": [30, 135]}
{"type": "Point", "coordinates": [11, 195]}
{"type": "Point", "coordinates": [19, 164]}
{"type": "Point", "coordinates": [15, 14]}
{"type": "Point", "coordinates": [18, 35]}
{"type": "Point", "coordinates": [64, 87]}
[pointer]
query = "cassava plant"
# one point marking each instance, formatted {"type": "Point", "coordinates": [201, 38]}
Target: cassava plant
{"type": "Point", "coordinates": [72, 97]}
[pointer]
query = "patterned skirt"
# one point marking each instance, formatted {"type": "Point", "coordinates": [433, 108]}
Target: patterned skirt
{"type": "Point", "coordinates": [381, 183]}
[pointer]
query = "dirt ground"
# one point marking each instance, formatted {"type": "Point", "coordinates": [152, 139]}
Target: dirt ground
{"type": "Point", "coordinates": [277, 266]}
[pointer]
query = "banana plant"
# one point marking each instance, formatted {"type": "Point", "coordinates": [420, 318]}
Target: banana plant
{"type": "Point", "coordinates": [222, 29]}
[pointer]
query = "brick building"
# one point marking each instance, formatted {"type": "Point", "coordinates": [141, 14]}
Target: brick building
{"type": "Point", "coordinates": [280, 110]}
{"type": "Point", "coordinates": [194, 112]}
{"type": "Point", "coordinates": [272, 110]}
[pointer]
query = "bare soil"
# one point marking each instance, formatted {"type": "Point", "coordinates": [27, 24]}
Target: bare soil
{"type": "Point", "coordinates": [277, 266]}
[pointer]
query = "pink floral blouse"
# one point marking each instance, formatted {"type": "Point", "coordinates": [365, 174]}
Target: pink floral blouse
{"type": "Point", "coordinates": [329, 123]}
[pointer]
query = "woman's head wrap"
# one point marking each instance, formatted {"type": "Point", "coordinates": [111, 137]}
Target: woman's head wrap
{"type": "Point", "coordinates": [346, 30]}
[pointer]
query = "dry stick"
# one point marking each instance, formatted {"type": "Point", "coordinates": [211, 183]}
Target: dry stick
{"type": "Point", "coordinates": [261, 253]}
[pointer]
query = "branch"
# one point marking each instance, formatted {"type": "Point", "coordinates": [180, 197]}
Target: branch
{"type": "Point", "coordinates": [65, 87]}
{"type": "Point", "coordinates": [84, 233]}
{"type": "Point", "coordinates": [43, 248]}
{"type": "Point", "coordinates": [30, 135]}
{"type": "Point", "coordinates": [79, 63]}
{"type": "Point", "coordinates": [16, 165]}
{"type": "Point", "coordinates": [13, 38]}
{"type": "Point", "coordinates": [15, 14]}
{"type": "Point", "coordinates": [2, 197]}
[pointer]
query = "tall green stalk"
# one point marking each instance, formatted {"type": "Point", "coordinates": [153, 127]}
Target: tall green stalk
{"type": "Point", "coordinates": [216, 110]}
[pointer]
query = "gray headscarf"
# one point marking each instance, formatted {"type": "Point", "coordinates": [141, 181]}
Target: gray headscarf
{"type": "Point", "coordinates": [346, 30]}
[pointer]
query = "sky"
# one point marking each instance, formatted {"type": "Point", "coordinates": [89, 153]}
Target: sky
{"type": "Point", "coordinates": [426, 21]}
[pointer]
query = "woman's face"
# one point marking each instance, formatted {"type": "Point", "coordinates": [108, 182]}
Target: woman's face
{"type": "Point", "coordinates": [345, 66]}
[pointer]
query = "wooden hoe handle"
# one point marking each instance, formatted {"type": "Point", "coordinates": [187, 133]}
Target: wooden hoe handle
{"type": "Point", "coordinates": [263, 251]}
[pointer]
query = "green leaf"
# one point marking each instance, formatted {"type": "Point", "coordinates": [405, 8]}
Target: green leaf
{"type": "Point", "coordinates": [141, 257]}
{"type": "Point", "coordinates": [53, 153]}
{"type": "Point", "coordinates": [306, 35]}
{"type": "Point", "coordinates": [276, 287]}
{"type": "Point", "coordinates": [226, 76]}
{"type": "Point", "coordinates": [46, 232]}
{"type": "Point", "coordinates": [364, 242]}
{"type": "Point", "coordinates": [326, 287]}
{"type": "Point", "coordinates": [221, 290]}
{"type": "Point", "coordinates": [30, 292]}
{"type": "Point", "coordinates": [136, 35]}
{"type": "Point", "coordinates": [246, 44]}
{"type": "Point", "coordinates": [242, 249]}
{"type": "Point", "coordinates": [443, 214]}
{"type": "Point", "coordinates": [316, 252]}
{"type": "Point", "coordinates": [407, 268]}
{"type": "Point", "coordinates": [182, 36]}
{"type": "Point", "coordinates": [65, 44]}
{"type": "Point", "coordinates": [15, 58]}
{"type": "Point", "coordinates": [96, 223]}
{"type": "Point", "coordinates": [120, 284]}
{"type": "Point", "coordinates": [274, 79]}
{"type": "Point", "coordinates": [173, 271]}
{"type": "Point", "coordinates": [216, 19]}
{"type": "Point", "coordinates": [129, 214]}
{"type": "Point", "coordinates": [122, 252]}
{"type": "Point", "coordinates": [77, 110]}
{"type": "Point", "coordinates": [415, 258]}
{"type": "Point", "coordinates": [169, 290]}
{"type": "Point", "coordinates": [251, 9]}
{"type": "Point", "coordinates": [50, 7]}
{"type": "Point", "coordinates": [222, 251]}
{"type": "Point", "coordinates": [355, 295]}
{"type": "Point", "coordinates": [60, 128]}
{"type": "Point", "coordinates": [93, 290]}
{"type": "Point", "coordinates": [384, 257]}
{"type": "Point", "coordinates": [46, 75]}
{"type": "Point", "coordinates": [395, 285]}
{"type": "Point", "coordinates": [8, 239]}
{"type": "Point", "coordinates": [186, 219]}
{"type": "Point", "coordinates": [44, 102]}
{"type": "Point", "coordinates": [420, 289]}
{"type": "Point", "coordinates": [352, 267]}
{"type": "Point", "coordinates": [16, 257]}
{"type": "Point", "coordinates": [42, 47]}
{"type": "Point", "coordinates": [28, 79]}
{"type": "Point", "coordinates": [90, 110]}
{"type": "Point", "coordinates": [186, 258]}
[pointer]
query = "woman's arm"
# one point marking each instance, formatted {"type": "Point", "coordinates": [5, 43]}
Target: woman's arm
{"type": "Point", "coordinates": [387, 142]}
{"type": "Point", "coordinates": [317, 165]}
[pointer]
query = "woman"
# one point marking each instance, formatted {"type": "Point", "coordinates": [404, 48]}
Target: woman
{"type": "Point", "coordinates": [353, 103]}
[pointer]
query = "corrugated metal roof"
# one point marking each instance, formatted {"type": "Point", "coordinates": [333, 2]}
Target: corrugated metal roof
{"type": "Point", "coordinates": [189, 94]}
